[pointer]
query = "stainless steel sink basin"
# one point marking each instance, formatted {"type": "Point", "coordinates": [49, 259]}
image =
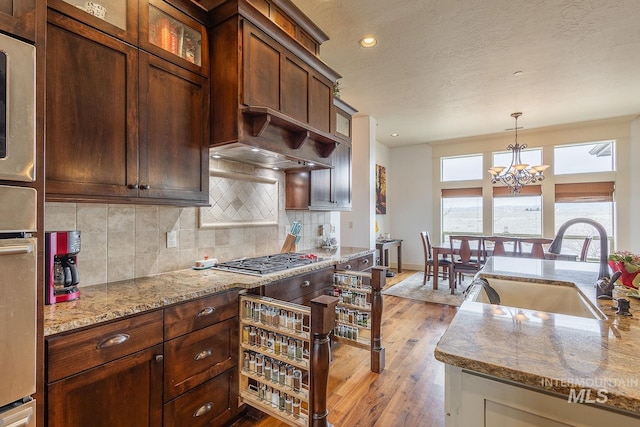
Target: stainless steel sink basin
{"type": "Point", "coordinates": [548, 297]}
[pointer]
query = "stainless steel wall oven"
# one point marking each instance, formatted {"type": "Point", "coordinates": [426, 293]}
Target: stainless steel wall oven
{"type": "Point", "coordinates": [18, 247]}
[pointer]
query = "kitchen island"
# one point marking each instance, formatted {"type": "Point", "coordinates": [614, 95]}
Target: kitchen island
{"type": "Point", "coordinates": [508, 364]}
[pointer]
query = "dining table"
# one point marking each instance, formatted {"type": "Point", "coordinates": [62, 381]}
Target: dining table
{"type": "Point", "coordinates": [445, 250]}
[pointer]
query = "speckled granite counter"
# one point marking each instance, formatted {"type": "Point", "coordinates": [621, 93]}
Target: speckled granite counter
{"type": "Point", "coordinates": [101, 303]}
{"type": "Point", "coordinates": [549, 352]}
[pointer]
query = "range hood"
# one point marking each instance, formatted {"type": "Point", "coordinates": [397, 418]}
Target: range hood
{"type": "Point", "coordinates": [264, 158]}
{"type": "Point", "coordinates": [270, 139]}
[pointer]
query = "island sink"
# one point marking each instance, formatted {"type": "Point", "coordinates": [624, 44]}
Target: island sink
{"type": "Point", "coordinates": [550, 297]}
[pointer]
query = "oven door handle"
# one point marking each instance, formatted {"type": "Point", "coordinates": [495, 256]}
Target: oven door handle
{"type": "Point", "coordinates": [16, 250]}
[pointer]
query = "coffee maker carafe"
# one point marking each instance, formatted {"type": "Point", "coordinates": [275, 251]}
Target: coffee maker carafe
{"type": "Point", "coordinates": [61, 269]}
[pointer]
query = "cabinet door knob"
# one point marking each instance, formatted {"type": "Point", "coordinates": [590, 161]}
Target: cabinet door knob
{"type": "Point", "coordinates": [203, 354]}
{"type": "Point", "coordinates": [114, 340]}
{"type": "Point", "coordinates": [203, 409]}
{"type": "Point", "coordinates": [347, 267]}
{"type": "Point", "coordinates": [133, 186]}
{"type": "Point", "coordinates": [144, 186]}
{"type": "Point", "coordinates": [159, 357]}
{"type": "Point", "coordinates": [206, 311]}
{"type": "Point", "coordinates": [365, 261]}
{"type": "Point", "coordinates": [305, 284]}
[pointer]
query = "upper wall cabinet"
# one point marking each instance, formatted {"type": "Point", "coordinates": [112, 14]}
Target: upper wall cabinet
{"type": "Point", "coordinates": [18, 17]}
{"type": "Point", "coordinates": [123, 125]}
{"type": "Point", "coordinates": [268, 89]}
{"type": "Point", "coordinates": [344, 114]}
{"type": "Point", "coordinates": [154, 25]}
{"type": "Point", "coordinates": [117, 18]}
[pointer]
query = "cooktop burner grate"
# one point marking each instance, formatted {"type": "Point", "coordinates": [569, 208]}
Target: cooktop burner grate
{"type": "Point", "coordinates": [266, 264]}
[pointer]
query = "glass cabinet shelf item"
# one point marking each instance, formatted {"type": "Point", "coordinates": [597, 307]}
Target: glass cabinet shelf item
{"type": "Point", "coordinates": [174, 36]}
{"type": "Point", "coordinates": [112, 11]}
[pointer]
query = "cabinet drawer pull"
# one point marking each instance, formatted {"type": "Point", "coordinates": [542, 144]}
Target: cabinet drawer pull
{"type": "Point", "coordinates": [203, 354]}
{"type": "Point", "coordinates": [145, 187]}
{"type": "Point", "coordinates": [159, 357]}
{"type": "Point", "coordinates": [133, 186]}
{"type": "Point", "coordinates": [114, 340]}
{"type": "Point", "coordinates": [365, 261]}
{"type": "Point", "coordinates": [305, 284]}
{"type": "Point", "coordinates": [347, 267]}
{"type": "Point", "coordinates": [203, 409]}
{"type": "Point", "coordinates": [206, 311]}
{"type": "Point", "coordinates": [16, 250]}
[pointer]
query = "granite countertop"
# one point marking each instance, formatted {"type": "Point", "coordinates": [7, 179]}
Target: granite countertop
{"type": "Point", "coordinates": [546, 351]}
{"type": "Point", "coordinates": [109, 301]}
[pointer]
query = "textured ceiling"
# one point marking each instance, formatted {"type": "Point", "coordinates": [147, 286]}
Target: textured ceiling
{"type": "Point", "coordinates": [445, 68]}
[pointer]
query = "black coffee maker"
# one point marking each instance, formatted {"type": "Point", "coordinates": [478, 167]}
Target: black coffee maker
{"type": "Point", "coordinates": [61, 266]}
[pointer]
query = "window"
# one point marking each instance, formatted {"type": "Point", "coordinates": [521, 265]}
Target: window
{"type": "Point", "coordinates": [461, 211]}
{"type": "Point", "coordinates": [519, 215]}
{"type": "Point", "coordinates": [592, 200]}
{"type": "Point", "coordinates": [584, 158]}
{"type": "Point", "coordinates": [461, 168]}
{"type": "Point", "coordinates": [531, 157]}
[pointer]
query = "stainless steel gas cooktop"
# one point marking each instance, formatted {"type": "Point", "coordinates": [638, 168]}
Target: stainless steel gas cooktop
{"type": "Point", "coordinates": [267, 264]}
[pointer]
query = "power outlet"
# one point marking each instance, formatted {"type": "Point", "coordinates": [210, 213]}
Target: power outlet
{"type": "Point", "coordinates": [172, 239]}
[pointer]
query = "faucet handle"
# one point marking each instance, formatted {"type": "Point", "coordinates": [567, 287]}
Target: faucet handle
{"type": "Point", "coordinates": [622, 308]}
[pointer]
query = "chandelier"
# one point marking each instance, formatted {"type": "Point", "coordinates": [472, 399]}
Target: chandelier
{"type": "Point", "coordinates": [518, 174]}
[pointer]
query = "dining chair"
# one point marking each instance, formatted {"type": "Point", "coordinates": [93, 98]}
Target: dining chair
{"type": "Point", "coordinates": [470, 257]}
{"type": "Point", "coordinates": [585, 249]}
{"type": "Point", "coordinates": [503, 246]}
{"type": "Point", "coordinates": [537, 249]}
{"type": "Point", "coordinates": [444, 265]}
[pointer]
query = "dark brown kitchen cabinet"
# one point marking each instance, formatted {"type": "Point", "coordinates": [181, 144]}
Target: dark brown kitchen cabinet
{"type": "Point", "coordinates": [123, 374]}
{"type": "Point", "coordinates": [122, 125]}
{"type": "Point", "coordinates": [201, 358]}
{"type": "Point", "coordinates": [92, 112]}
{"type": "Point", "coordinates": [361, 263]}
{"type": "Point", "coordinates": [343, 122]}
{"type": "Point", "coordinates": [302, 288]}
{"type": "Point", "coordinates": [173, 130]}
{"type": "Point", "coordinates": [120, 18]}
{"type": "Point", "coordinates": [173, 35]}
{"type": "Point", "coordinates": [18, 17]}
{"type": "Point", "coordinates": [107, 375]}
{"type": "Point", "coordinates": [269, 90]}
{"type": "Point", "coordinates": [322, 189]}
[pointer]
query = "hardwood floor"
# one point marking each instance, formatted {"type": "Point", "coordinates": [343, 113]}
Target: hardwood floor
{"type": "Point", "coordinates": [410, 390]}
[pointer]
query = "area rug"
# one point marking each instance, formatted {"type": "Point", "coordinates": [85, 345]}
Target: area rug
{"type": "Point", "coordinates": [412, 288]}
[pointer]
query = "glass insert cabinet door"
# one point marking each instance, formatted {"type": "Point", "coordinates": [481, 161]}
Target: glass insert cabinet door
{"type": "Point", "coordinates": [113, 12]}
{"type": "Point", "coordinates": [174, 36]}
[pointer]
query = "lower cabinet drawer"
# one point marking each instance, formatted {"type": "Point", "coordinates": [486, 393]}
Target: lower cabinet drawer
{"type": "Point", "coordinates": [206, 405]}
{"type": "Point", "coordinates": [77, 351]}
{"type": "Point", "coordinates": [192, 359]}
{"type": "Point", "coordinates": [294, 287]}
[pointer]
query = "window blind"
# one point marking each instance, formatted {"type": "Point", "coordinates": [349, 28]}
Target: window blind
{"type": "Point", "coordinates": [585, 192]}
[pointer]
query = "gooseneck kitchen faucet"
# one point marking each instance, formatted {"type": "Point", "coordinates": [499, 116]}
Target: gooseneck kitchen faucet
{"type": "Point", "coordinates": [604, 253]}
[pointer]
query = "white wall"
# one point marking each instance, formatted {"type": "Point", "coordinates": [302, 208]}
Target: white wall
{"type": "Point", "coordinates": [357, 226]}
{"type": "Point", "coordinates": [410, 200]}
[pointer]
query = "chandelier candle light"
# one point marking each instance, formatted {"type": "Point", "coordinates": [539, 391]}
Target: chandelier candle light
{"type": "Point", "coordinates": [518, 174]}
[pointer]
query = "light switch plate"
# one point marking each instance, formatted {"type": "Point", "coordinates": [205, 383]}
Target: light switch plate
{"type": "Point", "coordinates": [172, 239]}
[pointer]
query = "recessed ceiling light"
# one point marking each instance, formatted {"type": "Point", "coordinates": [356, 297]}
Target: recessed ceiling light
{"type": "Point", "coordinates": [311, 164]}
{"type": "Point", "coordinates": [255, 150]}
{"type": "Point", "coordinates": [395, 135]}
{"type": "Point", "coordinates": [216, 156]}
{"type": "Point", "coordinates": [368, 42]}
{"type": "Point", "coordinates": [517, 73]}
{"type": "Point", "coordinates": [275, 168]}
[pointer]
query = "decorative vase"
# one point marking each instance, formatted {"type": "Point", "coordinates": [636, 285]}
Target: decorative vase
{"type": "Point", "coordinates": [625, 278]}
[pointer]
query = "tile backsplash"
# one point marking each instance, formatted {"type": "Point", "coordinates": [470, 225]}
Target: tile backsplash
{"type": "Point", "coordinates": [122, 242]}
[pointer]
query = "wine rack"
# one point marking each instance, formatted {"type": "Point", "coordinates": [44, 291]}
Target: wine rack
{"type": "Point", "coordinates": [358, 313]}
{"type": "Point", "coordinates": [284, 357]}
